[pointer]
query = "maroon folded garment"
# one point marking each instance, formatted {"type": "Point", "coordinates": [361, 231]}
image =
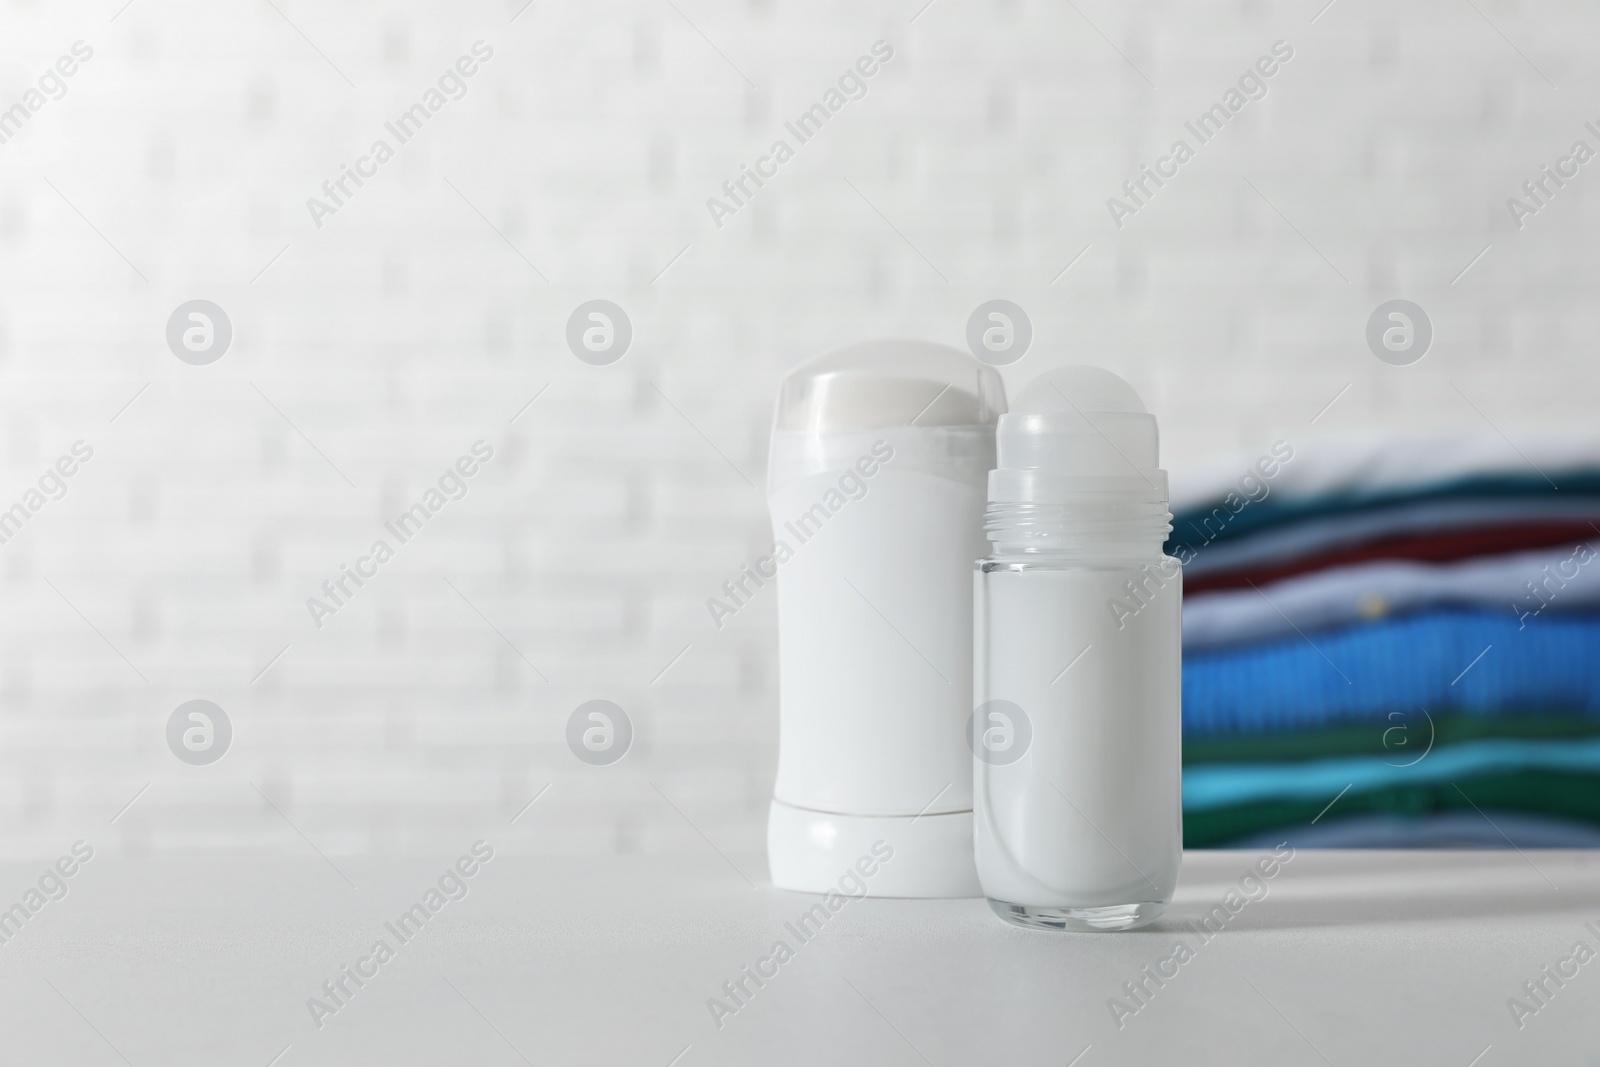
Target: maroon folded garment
{"type": "Point", "coordinates": [1431, 547]}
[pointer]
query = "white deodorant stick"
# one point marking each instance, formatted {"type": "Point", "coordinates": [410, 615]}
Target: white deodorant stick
{"type": "Point", "coordinates": [880, 453]}
{"type": "Point", "coordinates": [1077, 773]}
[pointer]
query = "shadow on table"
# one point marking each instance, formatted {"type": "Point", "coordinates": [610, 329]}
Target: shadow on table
{"type": "Point", "coordinates": [1224, 891]}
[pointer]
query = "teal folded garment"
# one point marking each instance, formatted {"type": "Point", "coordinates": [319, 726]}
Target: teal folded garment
{"type": "Point", "coordinates": [1452, 659]}
{"type": "Point", "coordinates": [1213, 520]}
{"type": "Point", "coordinates": [1216, 543]}
{"type": "Point", "coordinates": [1496, 828]}
{"type": "Point", "coordinates": [1219, 785]}
{"type": "Point", "coordinates": [1399, 738]}
{"type": "Point", "coordinates": [1530, 791]}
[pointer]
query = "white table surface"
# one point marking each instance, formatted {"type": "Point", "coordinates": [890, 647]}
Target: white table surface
{"type": "Point", "coordinates": [1353, 958]}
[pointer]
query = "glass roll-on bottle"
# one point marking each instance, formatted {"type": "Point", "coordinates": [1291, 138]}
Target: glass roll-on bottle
{"type": "Point", "coordinates": [1076, 731]}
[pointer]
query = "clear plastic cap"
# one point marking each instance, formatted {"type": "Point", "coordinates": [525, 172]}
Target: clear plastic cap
{"type": "Point", "coordinates": [1076, 463]}
{"type": "Point", "coordinates": [1077, 428]}
{"type": "Point", "coordinates": [886, 384]}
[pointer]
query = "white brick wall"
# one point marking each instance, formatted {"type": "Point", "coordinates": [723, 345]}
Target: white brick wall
{"type": "Point", "coordinates": [406, 328]}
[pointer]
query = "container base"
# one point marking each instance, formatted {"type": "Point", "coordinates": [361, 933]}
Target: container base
{"type": "Point", "coordinates": [928, 855]}
{"type": "Point", "coordinates": [1083, 920]}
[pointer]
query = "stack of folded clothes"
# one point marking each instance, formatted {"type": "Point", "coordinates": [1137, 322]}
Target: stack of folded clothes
{"type": "Point", "coordinates": [1393, 641]}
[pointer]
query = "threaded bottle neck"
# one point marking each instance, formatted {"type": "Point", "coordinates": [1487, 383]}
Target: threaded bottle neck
{"type": "Point", "coordinates": [1105, 528]}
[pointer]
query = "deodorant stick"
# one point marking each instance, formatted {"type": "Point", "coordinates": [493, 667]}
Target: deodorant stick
{"type": "Point", "coordinates": [876, 486]}
{"type": "Point", "coordinates": [1076, 730]}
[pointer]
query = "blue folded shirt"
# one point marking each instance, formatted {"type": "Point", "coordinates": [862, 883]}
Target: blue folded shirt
{"type": "Point", "coordinates": [1453, 659]}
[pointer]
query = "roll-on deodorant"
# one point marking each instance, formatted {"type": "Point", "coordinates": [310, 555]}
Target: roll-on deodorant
{"type": "Point", "coordinates": [1076, 730]}
{"type": "Point", "coordinates": [880, 453]}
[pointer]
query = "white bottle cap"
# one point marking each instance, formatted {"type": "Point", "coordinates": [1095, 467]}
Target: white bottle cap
{"type": "Point", "coordinates": [941, 404]}
{"type": "Point", "coordinates": [881, 384]}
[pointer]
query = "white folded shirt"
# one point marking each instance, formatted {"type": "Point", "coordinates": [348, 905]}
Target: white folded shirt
{"type": "Point", "coordinates": [1564, 577]}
